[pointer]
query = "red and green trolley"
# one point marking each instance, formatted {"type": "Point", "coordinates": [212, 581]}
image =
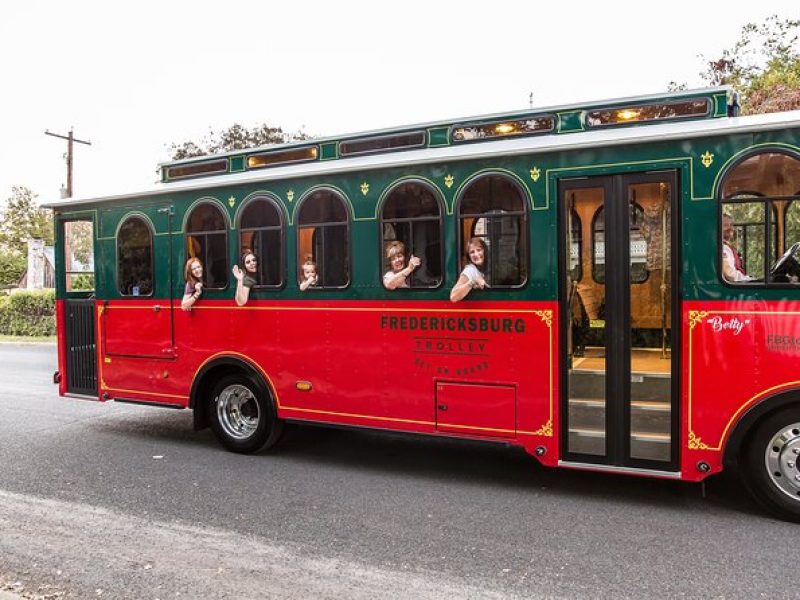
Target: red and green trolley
{"type": "Point", "coordinates": [610, 336]}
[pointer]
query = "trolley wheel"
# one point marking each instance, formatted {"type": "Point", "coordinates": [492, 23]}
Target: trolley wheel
{"type": "Point", "coordinates": [771, 463]}
{"type": "Point", "coordinates": [242, 415]}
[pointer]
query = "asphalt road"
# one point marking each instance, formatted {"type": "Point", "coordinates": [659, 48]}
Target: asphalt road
{"type": "Point", "coordinates": [118, 501]}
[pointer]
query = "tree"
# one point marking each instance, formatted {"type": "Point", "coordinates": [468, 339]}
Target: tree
{"type": "Point", "coordinates": [22, 219]}
{"type": "Point", "coordinates": [12, 266]}
{"type": "Point", "coordinates": [764, 66]}
{"type": "Point", "coordinates": [235, 137]}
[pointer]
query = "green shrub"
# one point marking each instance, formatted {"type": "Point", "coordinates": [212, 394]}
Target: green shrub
{"type": "Point", "coordinates": [28, 313]}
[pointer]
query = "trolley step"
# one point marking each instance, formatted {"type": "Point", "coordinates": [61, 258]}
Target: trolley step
{"type": "Point", "coordinates": [646, 415]}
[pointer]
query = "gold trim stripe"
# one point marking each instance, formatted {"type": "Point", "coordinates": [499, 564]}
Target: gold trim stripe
{"type": "Point", "coordinates": [113, 389]}
{"type": "Point", "coordinates": [381, 309]}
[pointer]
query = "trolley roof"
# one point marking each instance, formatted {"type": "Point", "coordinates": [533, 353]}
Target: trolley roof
{"type": "Point", "coordinates": [550, 129]}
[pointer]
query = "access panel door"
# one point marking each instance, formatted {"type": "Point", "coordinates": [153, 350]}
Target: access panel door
{"type": "Point", "coordinates": [476, 409]}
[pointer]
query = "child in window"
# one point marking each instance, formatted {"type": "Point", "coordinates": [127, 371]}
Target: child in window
{"type": "Point", "coordinates": [309, 275]}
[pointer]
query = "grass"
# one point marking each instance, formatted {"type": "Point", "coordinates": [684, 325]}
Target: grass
{"type": "Point", "coordinates": [27, 339]}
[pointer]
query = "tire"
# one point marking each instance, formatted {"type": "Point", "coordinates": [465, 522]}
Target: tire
{"type": "Point", "coordinates": [771, 463]}
{"type": "Point", "coordinates": [242, 415]}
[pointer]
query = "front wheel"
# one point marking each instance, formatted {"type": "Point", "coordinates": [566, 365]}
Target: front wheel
{"type": "Point", "coordinates": [242, 415]}
{"type": "Point", "coordinates": [772, 463]}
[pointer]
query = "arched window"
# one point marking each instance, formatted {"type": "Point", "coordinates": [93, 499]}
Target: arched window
{"type": "Point", "coordinates": [261, 232]}
{"type": "Point", "coordinates": [323, 238]}
{"type": "Point", "coordinates": [638, 246]}
{"type": "Point", "coordinates": [135, 258]}
{"type": "Point", "coordinates": [760, 220]}
{"type": "Point", "coordinates": [492, 207]}
{"type": "Point", "coordinates": [412, 214]}
{"type": "Point", "coordinates": [207, 239]}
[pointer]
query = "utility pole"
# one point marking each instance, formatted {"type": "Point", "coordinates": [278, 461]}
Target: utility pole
{"type": "Point", "coordinates": [70, 139]}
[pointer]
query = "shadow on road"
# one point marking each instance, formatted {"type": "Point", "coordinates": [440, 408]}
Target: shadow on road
{"type": "Point", "coordinates": [442, 459]}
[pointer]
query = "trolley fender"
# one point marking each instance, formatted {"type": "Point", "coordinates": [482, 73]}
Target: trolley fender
{"type": "Point", "coordinates": [738, 434]}
{"type": "Point", "coordinates": [211, 370]}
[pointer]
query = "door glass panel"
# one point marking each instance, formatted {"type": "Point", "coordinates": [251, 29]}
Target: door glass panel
{"type": "Point", "coordinates": [78, 256]}
{"type": "Point", "coordinates": [586, 328]}
{"type": "Point", "coordinates": [650, 389]}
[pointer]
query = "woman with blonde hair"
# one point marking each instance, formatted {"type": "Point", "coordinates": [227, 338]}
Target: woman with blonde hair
{"type": "Point", "coordinates": [398, 276]}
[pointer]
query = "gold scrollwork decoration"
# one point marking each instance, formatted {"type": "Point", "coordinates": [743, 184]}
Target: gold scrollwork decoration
{"type": "Point", "coordinates": [365, 188]}
{"type": "Point", "coordinates": [448, 181]}
{"type": "Point", "coordinates": [546, 430]}
{"type": "Point", "coordinates": [696, 316]}
{"type": "Point", "coordinates": [231, 201]}
{"type": "Point", "coordinates": [546, 316]}
{"type": "Point", "coordinates": [536, 173]}
{"type": "Point", "coordinates": [290, 195]}
{"type": "Point", "coordinates": [707, 159]}
{"type": "Point", "coordinates": [695, 443]}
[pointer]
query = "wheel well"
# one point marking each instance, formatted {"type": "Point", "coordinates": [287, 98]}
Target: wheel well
{"type": "Point", "coordinates": [208, 377]}
{"type": "Point", "coordinates": [751, 419]}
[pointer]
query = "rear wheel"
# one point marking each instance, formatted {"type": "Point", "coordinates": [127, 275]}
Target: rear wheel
{"type": "Point", "coordinates": [772, 463]}
{"type": "Point", "coordinates": [242, 415]}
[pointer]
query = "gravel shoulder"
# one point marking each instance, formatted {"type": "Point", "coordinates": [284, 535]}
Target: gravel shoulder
{"type": "Point", "coordinates": [47, 547]}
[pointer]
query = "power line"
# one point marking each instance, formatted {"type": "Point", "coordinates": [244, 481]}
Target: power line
{"type": "Point", "coordinates": [70, 139]}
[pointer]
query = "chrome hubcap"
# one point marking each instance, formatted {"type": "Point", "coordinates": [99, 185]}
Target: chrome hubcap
{"type": "Point", "coordinates": [781, 458]}
{"type": "Point", "coordinates": [237, 411]}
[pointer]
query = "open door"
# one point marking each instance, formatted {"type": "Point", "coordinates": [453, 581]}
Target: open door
{"type": "Point", "coordinates": [77, 283]}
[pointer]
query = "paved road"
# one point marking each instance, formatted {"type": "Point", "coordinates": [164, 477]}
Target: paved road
{"type": "Point", "coordinates": [117, 501]}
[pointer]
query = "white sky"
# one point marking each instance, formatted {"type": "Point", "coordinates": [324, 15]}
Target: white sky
{"type": "Point", "coordinates": [133, 77]}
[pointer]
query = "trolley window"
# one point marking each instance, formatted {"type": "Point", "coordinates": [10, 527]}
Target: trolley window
{"type": "Point", "coordinates": [760, 221]}
{"type": "Point", "coordinates": [261, 232]}
{"type": "Point", "coordinates": [135, 258]}
{"type": "Point", "coordinates": [207, 239]}
{"type": "Point", "coordinates": [492, 207]}
{"type": "Point", "coordinates": [323, 233]}
{"type": "Point", "coordinates": [411, 223]}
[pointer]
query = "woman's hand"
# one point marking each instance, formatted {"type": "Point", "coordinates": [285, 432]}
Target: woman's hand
{"type": "Point", "coordinates": [480, 282]}
{"type": "Point", "coordinates": [198, 287]}
{"type": "Point", "coordinates": [414, 262]}
{"type": "Point", "coordinates": [238, 273]}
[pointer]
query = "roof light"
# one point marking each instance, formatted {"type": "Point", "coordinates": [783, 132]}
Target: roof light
{"type": "Point", "coordinates": [281, 157]}
{"type": "Point", "coordinates": [493, 129]}
{"type": "Point", "coordinates": [658, 111]}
